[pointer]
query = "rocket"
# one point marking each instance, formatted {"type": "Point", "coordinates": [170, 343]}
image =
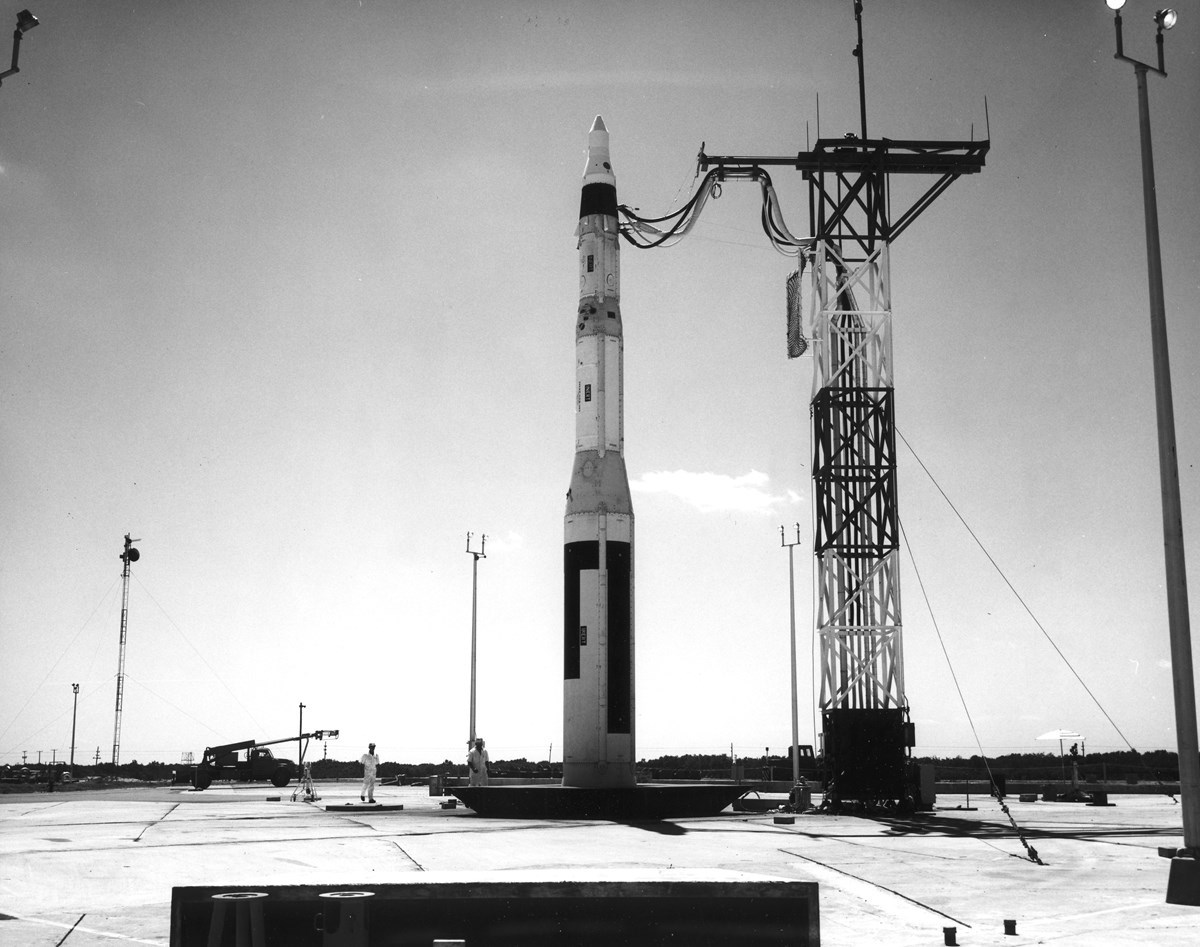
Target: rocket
{"type": "Point", "coordinates": [598, 730]}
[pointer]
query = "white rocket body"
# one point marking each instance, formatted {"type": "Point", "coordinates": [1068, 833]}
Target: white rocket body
{"type": "Point", "coordinates": [598, 640]}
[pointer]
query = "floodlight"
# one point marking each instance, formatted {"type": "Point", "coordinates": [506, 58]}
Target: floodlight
{"type": "Point", "coordinates": [27, 21]}
{"type": "Point", "coordinates": [1166, 19]}
{"type": "Point", "coordinates": [1115, 4]}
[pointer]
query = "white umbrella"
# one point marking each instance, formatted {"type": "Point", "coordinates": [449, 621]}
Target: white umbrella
{"type": "Point", "coordinates": [1061, 735]}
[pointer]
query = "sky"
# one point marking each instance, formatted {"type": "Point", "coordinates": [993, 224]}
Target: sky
{"type": "Point", "coordinates": [287, 293]}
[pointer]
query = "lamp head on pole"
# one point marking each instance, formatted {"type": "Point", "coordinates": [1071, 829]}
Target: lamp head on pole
{"type": "Point", "coordinates": [1115, 4]}
{"type": "Point", "coordinates": [26, 21]}
{"type": "Point", "coordinates": [1166, 19]}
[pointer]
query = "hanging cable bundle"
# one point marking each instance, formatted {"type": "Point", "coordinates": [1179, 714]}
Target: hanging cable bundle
{"type": "Point", "coordinates": [649, 232]}
{"type": "Point", "coordinates": [797, 344]}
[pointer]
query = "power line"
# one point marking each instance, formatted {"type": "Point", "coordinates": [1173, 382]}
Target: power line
{"type": "Point", "coordinates": [55, 665]}
{"type": "Point", "coordinates": [1015, 593]}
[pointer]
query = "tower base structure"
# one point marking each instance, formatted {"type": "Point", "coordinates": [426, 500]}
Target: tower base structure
{"type": "Point", "coordinates": [645, 802]}
{"type": "Point", "coordinates": [867, 756]}
{"type": "Point", "coordinates": [1183, 884]}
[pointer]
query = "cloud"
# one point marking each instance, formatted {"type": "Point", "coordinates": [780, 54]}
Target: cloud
{"type": "Point", "coordinates": [713, 492]}
{"type": "Point", "coordinates": [509, 542]}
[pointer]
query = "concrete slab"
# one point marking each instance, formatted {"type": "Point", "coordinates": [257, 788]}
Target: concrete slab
{"type": "Point", "coordinates": [96, 868]}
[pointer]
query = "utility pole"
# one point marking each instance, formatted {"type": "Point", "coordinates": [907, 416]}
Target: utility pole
{"type": "Point", "coordinates": [795, 696]}
{"type": "Point", "coordinates": [1183, 887]}
{"type": "Point", "coordinates": [476, 556]}
{"type": "Point", "coordinates": [74, 709]}
{"type": "Point", "coordinates": [300, 738]}
{"type": "Point", "coordinates": [130, 555]}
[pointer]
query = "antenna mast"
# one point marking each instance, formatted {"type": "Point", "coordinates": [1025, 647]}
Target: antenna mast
{"type": "Point", "coordinates": [128, 556]}
{"type": "Point", "coordinates": [474, 612]}
{"type": "Point", "coordinates": [862, 82]}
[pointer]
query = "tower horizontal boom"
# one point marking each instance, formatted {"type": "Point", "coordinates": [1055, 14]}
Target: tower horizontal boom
{"type": "Point", "coordinates": [874, 154]}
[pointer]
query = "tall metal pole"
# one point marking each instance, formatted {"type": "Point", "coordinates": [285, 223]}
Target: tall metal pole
{"type": "Point", "coordinates": [862, 81]}
{"type": "Point", "coordinates": [74, 709]}
{"type": "Point", "coordinates": [300, 738]}
{"type": "Point", "coordinates": [1184, 886]}
{"type": "Point", "coordinates": [474, 613]}
{"type": "Point", "coordinates": [128, 556]}
{"type": "Point", "coordinates": [1168, 470]}
{"type": "Point", "coordinates": [795, 693]}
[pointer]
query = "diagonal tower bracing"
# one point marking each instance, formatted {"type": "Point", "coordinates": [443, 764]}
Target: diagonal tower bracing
{"type": "Point", "coordinates": [866, 729]}
{"type": "Point", "coordinates": [865, 712]}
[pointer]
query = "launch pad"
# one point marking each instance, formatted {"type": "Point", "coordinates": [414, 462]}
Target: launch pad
{"type": "Point", "coordinates": [882, 881]}
{"type": "Point", "coordinates": [645, 802]}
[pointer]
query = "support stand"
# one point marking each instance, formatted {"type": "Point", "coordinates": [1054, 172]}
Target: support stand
{"type": "Point", "coordinates": [305, 786]}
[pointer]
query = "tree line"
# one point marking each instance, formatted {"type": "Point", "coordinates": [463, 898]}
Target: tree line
{"type": "Point", "coordinates": [1116, 765]}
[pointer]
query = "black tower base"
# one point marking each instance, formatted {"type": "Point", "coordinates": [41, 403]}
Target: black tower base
{"type": "Point", "coordinates": [866, 756]}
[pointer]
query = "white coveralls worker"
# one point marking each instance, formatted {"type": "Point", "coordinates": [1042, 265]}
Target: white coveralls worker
{"type": "Point", "coordinates": [477, 764]}
{"type": "Point", "coordinates": [369, 762]}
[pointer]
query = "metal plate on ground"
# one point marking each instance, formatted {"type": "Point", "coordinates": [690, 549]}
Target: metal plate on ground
{"type": "Point", "coordinates": [362, 807]}
{"type": "Point", "coordinates": [633, 803]}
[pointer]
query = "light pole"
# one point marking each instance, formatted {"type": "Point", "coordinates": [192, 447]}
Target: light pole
{"type": "Point", "coordinates": [25, 22]}
{"type": "Point", "coordinates": [795, 696]}
{"type": "Point", "coordinates": [128, 556]}
{"type": "Point", "coordinates": [74, 709]}
{"type": "Point", "coordinates": [474, 599]}
{"type": "Point", "coordinates": [1184, 884]}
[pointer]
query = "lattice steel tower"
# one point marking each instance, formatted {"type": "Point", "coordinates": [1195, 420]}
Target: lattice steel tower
{"type": "Point", "coordinates": [128, 555]}
{"type": "Point", "coordinates": [867, 733]}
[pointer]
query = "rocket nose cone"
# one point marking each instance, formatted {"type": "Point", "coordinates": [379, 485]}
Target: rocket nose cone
{"type": "Point", "coordinates": [598, 168]}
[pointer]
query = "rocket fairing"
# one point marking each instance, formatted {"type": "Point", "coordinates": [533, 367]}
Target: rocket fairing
{"type": "Point", "coordinates": [598, 693]}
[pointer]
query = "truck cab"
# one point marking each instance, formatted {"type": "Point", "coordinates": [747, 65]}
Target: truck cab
{"type": "Point", "coordinates": [258, 764]}
{"type": "Point", "coordinates": [263, 764]}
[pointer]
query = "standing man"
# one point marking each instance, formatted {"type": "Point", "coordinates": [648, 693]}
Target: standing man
{"type": "Point", "coordinates": [369, 762]}
{"type": "Point", "coordinates": [477, 763]}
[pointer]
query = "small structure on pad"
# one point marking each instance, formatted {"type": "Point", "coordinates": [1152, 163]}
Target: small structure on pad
{"type": "Point", "coordinates": [582, 908]}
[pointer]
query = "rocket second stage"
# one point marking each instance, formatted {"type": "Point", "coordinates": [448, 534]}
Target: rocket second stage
{"type": "Point", "coordinates": [598, 732]}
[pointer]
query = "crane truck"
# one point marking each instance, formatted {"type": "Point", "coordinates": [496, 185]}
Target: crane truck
{"type": "Point", "coordinates": [257, 764]}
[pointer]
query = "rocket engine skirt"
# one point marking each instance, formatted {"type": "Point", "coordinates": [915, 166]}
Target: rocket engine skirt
{"type": "Point", "coordinates": [598, 650]}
